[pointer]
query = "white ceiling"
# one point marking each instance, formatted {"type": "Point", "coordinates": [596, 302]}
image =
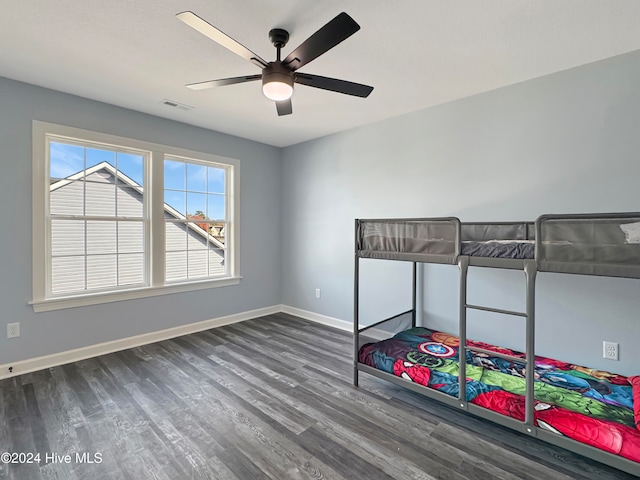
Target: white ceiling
{"type": "Point", "coordinates": [416, 53]}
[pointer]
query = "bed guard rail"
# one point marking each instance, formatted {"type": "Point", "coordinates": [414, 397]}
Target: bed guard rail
{"type": "Point", "coordinates": [433, 240]}
{"type": "Point", "coordinates": [589, 244]}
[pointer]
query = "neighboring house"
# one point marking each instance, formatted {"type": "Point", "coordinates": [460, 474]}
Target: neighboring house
{"type": "Point", "coordinates": [111, 253]}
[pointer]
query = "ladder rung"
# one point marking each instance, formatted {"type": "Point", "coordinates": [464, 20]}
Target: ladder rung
{"type": "Point", "coordinates": [497, 354]}
{"type": "Point", "coordinates": [496, 310]}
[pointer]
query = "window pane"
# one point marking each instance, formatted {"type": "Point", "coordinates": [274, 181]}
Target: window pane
{"type": "Point", "coordinates": [67, 238]}
{"type": "Point", "coordinates": [102, 174]}
{"type": "Point", "coordinates": [176, 201]}
{"type": "Point", "coordinates": [100, 199]}
{"type": "Point", "coordinates": [96, 156]}
{"type": "Point", "coordinates": [130, 237]}
{"type": "Point", "coordinates": [130, 269]}
{"type": "Point", "coordinates": [218, 231]}
{"type": "Point", "coordinates": [101, 237]}
{"type": "Point", "coordinates": [130, 202]}
{"type": "Point", "coordinates": [67, 274]}
{"type": "Point", "coordinates": [215, 207]}
{"type": "Point", "coordinates": [132, 166]}
{"type": "Point", "coordinates": [175, 236]}
{"type": "Point", "coordinates": [65, 160]}
{"type": "Point", "coordinates": [216, 180]}
{"type": "Point", "coordinates": [101, 271]}
{"type": "Point", "coordinates": [65, 198]}
{"type": "Point", "coordinates": [197, 238]}
{"type": "Point", "coordinates": [196, 178]}
{"type": "Point", "coordinates": [217, 262]}
{"type": "Point", "coordinates": [174, 175]}
{"type": "Point", "coordinates": [175, 266]}
{"type": "Point", "coordinates": [198, 264]}
{"type": "Point", "coordinates": [197, 205]}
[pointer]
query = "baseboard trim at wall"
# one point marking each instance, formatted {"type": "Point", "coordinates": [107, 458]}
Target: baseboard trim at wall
{"type": "Point", "coordinates": [373, 334]}
{"type": "Point", "coordinates": [318, 318]}
{"type": "Point", "coordinates": [40, 363]}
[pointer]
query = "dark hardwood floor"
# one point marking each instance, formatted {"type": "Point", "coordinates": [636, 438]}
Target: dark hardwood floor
{"type": "Point", "coordinates": [269, 398]}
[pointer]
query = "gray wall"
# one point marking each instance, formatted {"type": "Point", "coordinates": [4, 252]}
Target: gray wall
{"type": "Point", "coordinates": [565, 143]}
{"type": "Point", "coordinates": [62, 330]}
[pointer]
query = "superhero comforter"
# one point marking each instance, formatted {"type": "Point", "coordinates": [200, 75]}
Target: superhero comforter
{"type": "Point", "coordinates": [594, 407]}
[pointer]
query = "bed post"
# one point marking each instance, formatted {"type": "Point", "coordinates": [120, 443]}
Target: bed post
{"type": "Point", "coordinates": [530, 271]}
{"type": "Point", "coordinates": [413, 298]}
{"type": "Point", "coordinates": [463, 264]}
{"type": "Point", "coordinates": [356, 321]}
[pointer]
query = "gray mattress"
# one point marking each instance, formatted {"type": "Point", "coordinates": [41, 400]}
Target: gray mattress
{"type": "Point", "coordinates": [524, 249]}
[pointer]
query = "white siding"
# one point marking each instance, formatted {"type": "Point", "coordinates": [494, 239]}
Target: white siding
{"type": "Point", "coordinates": [68, 274]}
{"type": "Point", "coordinates": [129, 202]}
{"type": "Point", "coordinates": [189, 255]}
{"type": "Point", "coordinates": [96, 254]}
{"type": "Point", "coordinates": [130, 269]}
{"type": "Point", "coordinates": [101, 237]}
{"type": "Point", "coordinates": [67, 237]}
{"type": "Point", "coordinates": [130, 237]}
{"type": "Point", "coordinates": [67, 200]}
{"type": "Point", "coordinates": [101, 271]}
{"type": "Point", "coordinates": [175, 236]}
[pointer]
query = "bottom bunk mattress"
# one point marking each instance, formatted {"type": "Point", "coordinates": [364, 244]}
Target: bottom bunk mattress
{"type": "Point", "coordinates": [593, 407]}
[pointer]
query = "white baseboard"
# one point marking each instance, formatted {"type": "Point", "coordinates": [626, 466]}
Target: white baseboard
{"type": "Point", "coordinates": [318, 318]}
{"type": "Point", "coordinates": [53, 360]}
{"type": "Point", "coordinates": [40, 363]}
{"type": "Point", "coordinates": [374, 333]}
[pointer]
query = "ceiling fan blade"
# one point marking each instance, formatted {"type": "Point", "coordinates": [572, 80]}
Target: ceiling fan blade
{"type": "Point", "coordinates": [333, 84]}
{"type": "Point", "coordinates": [205, 28]}
{"type": "Point", "coordinates": [284, 107]}
{"type": "Point", "coordinates": [222, 82]}
{"type": "Point", "coordinates": [334, 32]}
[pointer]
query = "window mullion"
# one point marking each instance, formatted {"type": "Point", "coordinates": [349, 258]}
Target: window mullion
{"type": "Point", "coordinates": [155, 240]}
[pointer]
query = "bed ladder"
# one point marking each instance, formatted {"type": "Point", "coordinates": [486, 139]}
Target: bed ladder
{"type": "Point", "coordinates": [530, 270]}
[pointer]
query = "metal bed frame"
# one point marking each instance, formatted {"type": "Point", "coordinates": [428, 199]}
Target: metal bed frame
{"type": "Point", "coordinates": [593, 224]}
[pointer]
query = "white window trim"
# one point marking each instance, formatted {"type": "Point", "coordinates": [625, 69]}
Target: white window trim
{"type": "Point", "coordinates": [40, 183]}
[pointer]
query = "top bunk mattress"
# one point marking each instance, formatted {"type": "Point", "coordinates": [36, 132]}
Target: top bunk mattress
{"type": "Point", "coordinates": [594, 244]}
{"type": "Point", "coordinates": [518, 249]}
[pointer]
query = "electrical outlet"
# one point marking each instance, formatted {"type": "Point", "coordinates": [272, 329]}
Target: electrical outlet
{"type": "Point", "coordinates": [317, 293]}
{"type": "Point", "coordinates": [610, 350]}
{"type": "Point", "coordinates": [13, 330]}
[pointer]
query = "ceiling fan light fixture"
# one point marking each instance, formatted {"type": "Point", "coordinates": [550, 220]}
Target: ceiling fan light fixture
{"type": "Point", "coordinates": [277, 91]}
{"type": "Point", "coordinates": [277, 82]}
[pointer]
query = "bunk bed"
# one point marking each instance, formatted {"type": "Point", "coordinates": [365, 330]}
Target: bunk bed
{"type": "Point", "coordinates": [591, 412]}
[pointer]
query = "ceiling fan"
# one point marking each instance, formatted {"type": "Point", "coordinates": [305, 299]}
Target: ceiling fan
{"type": "Point", "coordinates": [279, 76]}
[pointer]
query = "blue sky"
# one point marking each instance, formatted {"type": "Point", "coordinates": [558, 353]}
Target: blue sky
{"type": "Point", "coordinates": [188, 187]}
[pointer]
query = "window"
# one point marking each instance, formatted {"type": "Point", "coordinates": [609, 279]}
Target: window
{"type": "Point", "coordinates": [195, 221]}
{"type": "Point", "coordinates": [116, 218]}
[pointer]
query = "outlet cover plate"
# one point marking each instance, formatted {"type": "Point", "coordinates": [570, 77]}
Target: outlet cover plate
{"type": "Point", "coordinates": [610, 350]}
{"type": "Point", "coordinates": [13, 330]}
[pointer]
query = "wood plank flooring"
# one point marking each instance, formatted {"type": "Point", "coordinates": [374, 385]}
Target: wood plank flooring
{"type": "Point", "coordinates": [269, 398]}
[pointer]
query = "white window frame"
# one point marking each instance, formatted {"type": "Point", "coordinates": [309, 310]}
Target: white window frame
{"type": "Point", "coordinates": [154, 240]}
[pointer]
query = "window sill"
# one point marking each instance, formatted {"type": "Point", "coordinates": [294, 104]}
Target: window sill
{"type": "Point", "coordinates": [107, 297]}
